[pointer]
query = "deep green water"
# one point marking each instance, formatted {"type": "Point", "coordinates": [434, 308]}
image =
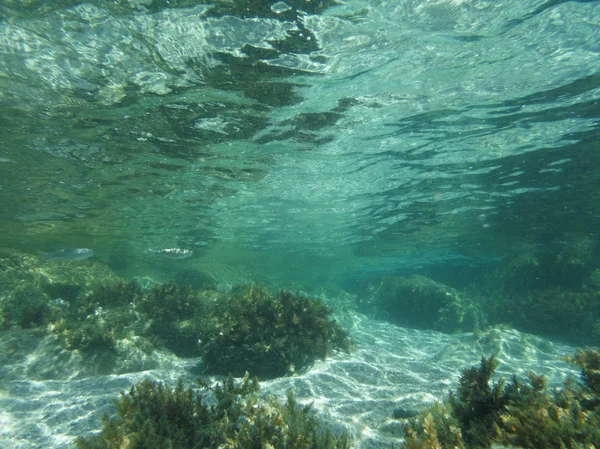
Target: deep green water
{"type": "Point", "coordinates": [305, 142]}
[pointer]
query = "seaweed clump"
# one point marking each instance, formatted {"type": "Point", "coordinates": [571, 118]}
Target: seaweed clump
{"type": "Point", "coordinates": [119, 324]}
{"type": "Point", "coordinates": [552, 290]}
{"type": "Point", "coordinates": [228, 416]}
{"type": "Point", "coordinates": [166, 315]}
{"type": "Point", "coordinates": [519, 414]}
{"type": "Point", "coordinates": [477, 405]}
{"type": "Point", "coordinates": [247, 329]}
{"type": "Point", "coordinates": [270, 335]}
{"type": "Point", "coordinates": [176, 316]}
{"type": "Point", "coordinates": [31, 292]}
{"type": "Point", "coordinates": [418, 302]}
{"type": "Point", "coordinates": [95, 320]}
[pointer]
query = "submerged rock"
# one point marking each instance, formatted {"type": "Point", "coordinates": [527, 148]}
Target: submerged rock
{"type": "Point", "coordinates": [418, 302]}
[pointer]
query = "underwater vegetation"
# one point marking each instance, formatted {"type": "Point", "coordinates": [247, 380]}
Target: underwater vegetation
{"type": "Point", "coordinates": [552, 290]}
{"type": "Point", "coordinates": [248, 328]}
{"type": "Point", "coordinates": [28, 289]}
{"type": "Point", "coordinates": [233, 332]}
{"type": "Point", "coordinates": [524, 414]}
{"type": "Point", "coordinates": [176, 316]}
{"type": "Point", "coordinates": [270, 335]}
{"type": "Point", "coordinates": [95, 320]}
{"type": "Point", "coordinates": [228, 416]}
{"type": "Point", "coordinates": [419, 302]}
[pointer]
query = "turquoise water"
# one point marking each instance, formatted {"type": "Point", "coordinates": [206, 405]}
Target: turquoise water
{"type": "Point", "coordinates": [314, 144]}
{"type": "Point", "coordinates": [310, 145]}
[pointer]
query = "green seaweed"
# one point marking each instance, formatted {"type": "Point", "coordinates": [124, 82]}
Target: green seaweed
{"type": "Point", "coordinates": [97, 319]}
{"type": "Point", "coordinates": [230, 415]}
{"type": "Point", "coordinates": [176, 316]}
{"type": "Point", "coordinates": [433, 428]}
{"type": "Point", "coordinates": [550, 290]}
{"type": "Point", "coordinates": [32, 292]}
{"type": "Point", "coordinates": [269, 335]}
{"type": "Point", "coordinates": [245, 329]}
{"type": "Point", "coordinates": [589, 362]}
{"type": "Point", "coordinates": [518, 414]}
{"type": "Point", "coordinates": [418, 302]}
{"type": "Point", "coordinates": [477, 405]}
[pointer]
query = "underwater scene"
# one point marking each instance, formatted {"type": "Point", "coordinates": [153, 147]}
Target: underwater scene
{"type": "Point", "coordinates": [299, 224]}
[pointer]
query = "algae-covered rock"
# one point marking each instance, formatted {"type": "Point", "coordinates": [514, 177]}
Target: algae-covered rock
{"type": "Point", "coordinates": [419, 302]}
{"type": "Point", "coordinates": [229, 416]}
{"type": "Point", "coordinates": [589, 362]}
{"type": "Point", "coordinates": [23, 302]}
{"type": "Point", "coordinates": [548, 290]}
{"type": "Point", "coordinates": [30, 288]}
{"type": "Point", "coordinates": [552, 312]}
{"type": "Point", "coordinates": [248, 328]}
{"type": "Point", "coordinates": [66, 280]}
{"type": "Point", "coordinates": [82, 312]}
{"type": "Point", "coordinates": [566, 266]}
{"type": "Point", "coordinates": [97, 319]}
{"type": "Point", "coordinates": [253, 330]}
{"type": "Point", "coordinates": [519, 413]}
{"type": "Point", "coordinates": [93, 313]}
{"type": "Point", "coordinates": [177, 315]}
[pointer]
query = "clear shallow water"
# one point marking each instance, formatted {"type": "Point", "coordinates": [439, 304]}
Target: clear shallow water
{"type": "Point", "coordinates": [390, 368]}
{"type": "Point", "coordinates": [289, 141]}
{"type": "Point", "coordinates": [304, 144]}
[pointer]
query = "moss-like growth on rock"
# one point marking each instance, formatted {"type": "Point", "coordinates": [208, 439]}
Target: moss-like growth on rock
{"type": "Point", "coordinates": [23, 302]}
{"type": "Point", "coordinates": [416, 301]}
{"type": "Point", "coordinates": [94, 321]}
{"type": "Point", "coordinates": [552, 312]}
{"type": "Point", "coordinates": [31, 292]}
{"type": "Point", "coordinates": [177, 315]}
{"type": "Point", "coordinates": [92, 335]}
{"type": "Point", "coordinates": [169, 302]}
{"type": "Point", "coordinates": [566, 266]}
{"type": "Point", "coordinates": [517, 414]}
{"type": "Point", "coordinates": [247, 329]}
{"type": "Point", "coordinates": [550, 291]}
{"type": "Point", "coordinates": [26, 307]}
{"type": "Point", "coordinates": [167, 315]}
{"type": "Point", "coordinates": [270, 335]}
{"type": "Point", "coordinates": [477, 405]}
{"type": "Point", "coordinates": [154, 416]}
{"type": "Point", "coordinates": [589, 362]}
{"type": "Point", "coordinates": [67, 280]}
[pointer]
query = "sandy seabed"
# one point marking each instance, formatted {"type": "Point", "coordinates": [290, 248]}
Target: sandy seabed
{"type": "Point", "coordinates": [47, 398]}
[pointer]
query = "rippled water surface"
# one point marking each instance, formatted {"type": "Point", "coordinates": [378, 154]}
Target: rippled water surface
{"type": "Point", "coordinates": [304, 140]}
{"type": "Point", "coordinates": [306, 144]}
